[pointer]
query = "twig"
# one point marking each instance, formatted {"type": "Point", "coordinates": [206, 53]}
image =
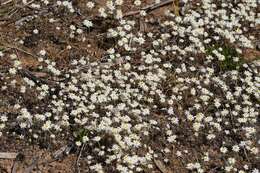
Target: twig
{"type": "Point", "coordinates": [6, 155]}
{"type": "Point", "coordinates": [6, 2]}
{"type": "Point", "coordinates": [79, 155]}
{"type": "Point", "coordinates": [21, 50]}
{"type": "Point", "coordinates": [245, 154]}
{"type": "Point", "coordinates": [16, 9]}
{"type": "Point", "coordinates": [149, 8]}
{"type": "Point", "coordinates": [23, 19]}
{"type": "Point", "coordinates": [31, 76]}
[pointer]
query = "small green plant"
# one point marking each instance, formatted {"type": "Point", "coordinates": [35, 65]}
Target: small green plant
{"type": "Point", "coordinates": [2, 48]}
{"type": "Point", "coordinates": [232, 59]}
{"type": "Point", "coordinates": [79, 134]}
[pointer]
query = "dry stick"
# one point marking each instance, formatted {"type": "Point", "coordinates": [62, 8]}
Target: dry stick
{"type": "Point", "coordinates": [77, 162]}
{"type": "Point", "coordinates": [14, 167]}
{"type": "Point", "coordinates": [30, 75]}
{"type": "Point", "coordinates": [24, 19]}
{"type": "Point", "coordinates": [149, 7]}
{"type": "Point", "coordinates": [6, 155]}
{"type": "Point", "coordinates": [6, 2]}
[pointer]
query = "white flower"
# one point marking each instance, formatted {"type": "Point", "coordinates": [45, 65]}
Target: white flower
{"type": "Point", "coordinates": [45, 87]}
{"type": "Point", "coordinates": [110, 5]}
{"type": "Point", "coordinates": [97, 138]}
{"type": "Point", "coordinates": [79, 31]}
{"type": "Point", "coordinates": [148, 59]}
{"type": "Point", "coordinates": [223, 149]}
{"type": "Point", "coordinates": [3, 118]}
{"type": "Point", "coordinates": [90, 5]}
{"type": "Point", "coordinates": [171, 138]}
{"type": "Point", "coordinates": [17, 64]}
{"type": "Point", "coordinates": [102, 12]}
{"type": "Point", "coordinates": [137, 2]}
{"type": "Point", "coordinates": [36, 31]}
{"type": "Point", "coordinates": [78, 143]}
{"type": "Point", "coordinates": [143, 13]}
{"type": "Point", "coordinates": [127, 66]}
{"type": "Point", "coordinates": [254, 150]}
{"type": "Point", "coordinates": [119, 14]}
{"type": "Point", "coordinates": [23, 125]}
{"type": "Point", "coordinates": [73, 27]}
{"type": "Point", "coordinates": [231, 160]}
{"type": "Point", "coordinates": [87, 23]}
{"type": "Point", "coordinates": [119, 2]}
{"type": "Point", "coordinates": [196, 126]}
{"type": "Point", "coordinates": [235, 148]}
{"type": "Point", "coordinates": [23, 89]}
{"type": "Point", "coordinates": [43, 52]}
{"type": "Point", "coordinates": [12, 71]}
{"type": "Point", "coordinates": [228, 168]}
{"type": "Point", "coordinates": [47, 125]}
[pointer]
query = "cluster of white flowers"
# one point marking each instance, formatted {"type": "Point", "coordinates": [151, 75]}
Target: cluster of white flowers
{"type": "Point", "coordinates": [67, 4]}
{"type": "Point", "coordinates": [182, 84]}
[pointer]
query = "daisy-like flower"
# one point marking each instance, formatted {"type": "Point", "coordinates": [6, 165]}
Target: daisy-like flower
{"type": "Point", "coordinates": [87, 23]}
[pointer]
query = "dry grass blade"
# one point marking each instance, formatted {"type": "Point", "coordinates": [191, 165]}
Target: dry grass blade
{"type": "Point", "coordinates": [14, 167]}
{"type": "Point", "coordinates": [5, 2]}
{"type": "Point", "coordinates": [19, 49]}
{"type": "Point", "coordinates": [176, 7]}
{"type": "Point", "coordinates": [78, 159]}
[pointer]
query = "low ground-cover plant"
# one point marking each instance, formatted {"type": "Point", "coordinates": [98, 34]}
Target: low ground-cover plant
{"type": "Point", "coordinates": [168, 93]}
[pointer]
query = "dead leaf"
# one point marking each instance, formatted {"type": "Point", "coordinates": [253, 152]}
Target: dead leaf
{"type": "Point", "coordinates": [251, 54]}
